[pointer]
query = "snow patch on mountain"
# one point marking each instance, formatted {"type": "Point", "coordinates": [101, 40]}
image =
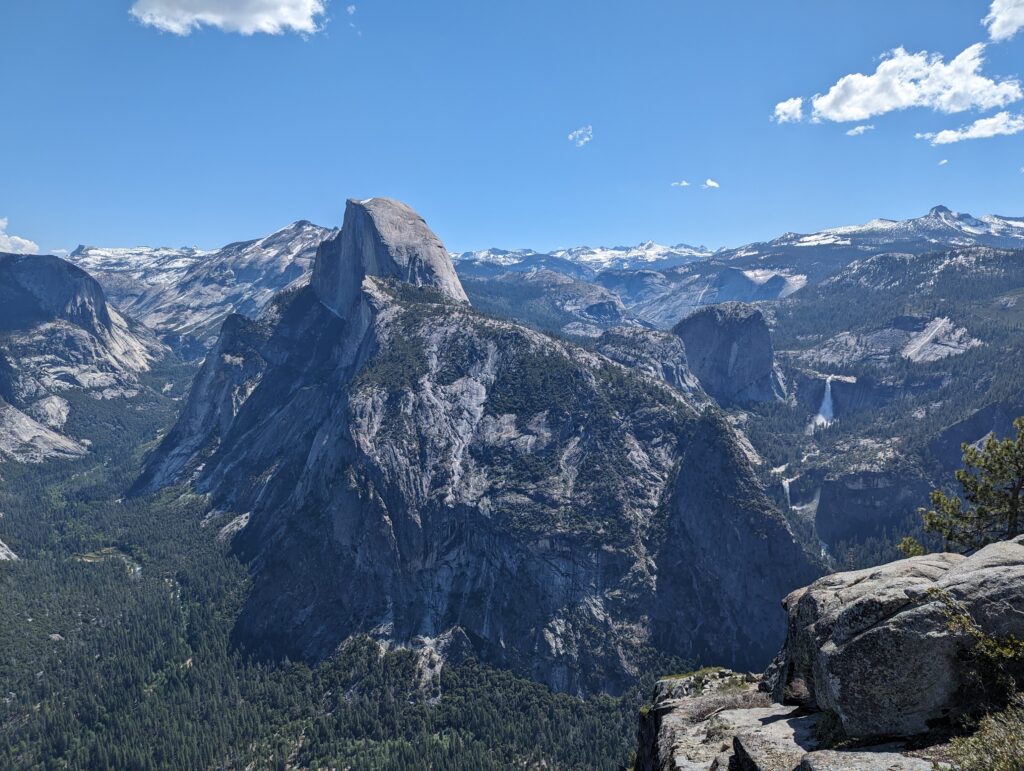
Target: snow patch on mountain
{"type": "Point", "coordinates": [941, 226]}
{"type": "Point", "coordinates": [646, 255]}
{"type": "Point", "coordinates": [189, 291]}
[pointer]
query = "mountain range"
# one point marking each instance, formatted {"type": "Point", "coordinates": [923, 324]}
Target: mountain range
{"type": "Point", "coordinates": [184, 294]}
{"type": "Point", "coordinates": [578, 466]}
{"type": "Point", "coordinates": [397, 464]}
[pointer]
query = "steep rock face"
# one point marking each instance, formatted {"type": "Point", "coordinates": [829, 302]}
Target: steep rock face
{"type": "Point", "coordinates": [58, 335]}
{"type": "Point", "coordinates": [385, 238]}
{"type": "Point", "coordinates": [849, 394]}
{"type": "Point", "coordinates": [729, 349]}
{"type": "Point", "coordinates": [876, 646]}
{"type": "Point", "coordinates": [230, 373]}
{"type": "Point", "coordinates": [657, 354]}
{"type": "Point", "coordinates": [867, 501]}
{"type": "Point", "coordinates": [36, 290]}
{"type": "Point", "coordinates": [992, 420]}
{"type": "Point", "coordinates": [721, 518]}
{"type": "Point", "coordinates": [410, 467]}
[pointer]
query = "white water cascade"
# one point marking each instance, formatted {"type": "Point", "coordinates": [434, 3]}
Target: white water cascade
{"type": "Point", "coordinates": [826, 413]}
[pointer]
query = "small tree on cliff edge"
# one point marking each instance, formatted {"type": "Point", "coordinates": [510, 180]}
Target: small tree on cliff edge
{"type": "Point", "coordinates": [993, 482]}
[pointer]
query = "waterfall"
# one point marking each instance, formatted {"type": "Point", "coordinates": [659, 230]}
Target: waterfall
{"type": "Point", "coordinates": [826, 414]}
{"type": "Point", "coordinates": [785, 487]}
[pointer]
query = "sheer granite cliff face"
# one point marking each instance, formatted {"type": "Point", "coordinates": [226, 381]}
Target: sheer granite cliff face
{"type": "Point", "coordinates": [415, 470]}
{"type": "Point", "coordinates": [58, 335]}
{"type": "Point", "coordinates": [729, 349]}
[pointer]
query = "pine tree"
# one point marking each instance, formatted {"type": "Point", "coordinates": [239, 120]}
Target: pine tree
{"type": "Point", "coordinates": [992, 480]}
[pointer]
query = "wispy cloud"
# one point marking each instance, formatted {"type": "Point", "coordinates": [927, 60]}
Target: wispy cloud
{"type": "Point", "coordinates": [789, 111]}
{"type": "Point", "coordinates": [14, 244]}
{"type": "Point", "coordinates": [582, 136]}
{"type": "Point", "coordinates": [681, 183]}
{"type": "Point", "coordinates": [350, 10]}
{"type": "Point", "coordinates": [1002, 124]}
{"type": "Point", "coordinates": [856, 131]}
{"type": "Point", "coordinates": [247, 17]}
{"type": "Point", "coordinates": [1005, 19]}
{"type": "Point", "coordinates": [903, 80]}
{"type": "Point", "coordinates": [710, 184]}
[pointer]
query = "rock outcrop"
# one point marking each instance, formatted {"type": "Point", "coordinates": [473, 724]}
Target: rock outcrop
{"type": "Point", "coordinates": [660, 355]}
{"type": "Point", "coordinates": [876, 646]}
{"type": "Point", "coordinates": [729, 349]}
{"type": "Point", "coordinates": [719, 720]}
{"type": "Point", "coordinates": [410, 467]}
{"type": "Point", "coordinates": [383, 238]}
{"type": "Point", "coordinates": [6, 553]}
{"type": "Point", "coordinates": [59, 337]}
{"type": "Point", "coordinates": [885, 654]}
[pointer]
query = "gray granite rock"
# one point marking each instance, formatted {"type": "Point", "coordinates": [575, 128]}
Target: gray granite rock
{"type": "Point", "coordinates": [729, 349]}
{"type": "Point", "coordinates": [384, 238]}
{"type": "Point", "coordinates": [412, 467]}
{"type": "Point", "coordinates": [876, 647]}
{"type": "Point", "coordinates": [771, 739]}
{"type": "Point", "coordinates": [831, 760]}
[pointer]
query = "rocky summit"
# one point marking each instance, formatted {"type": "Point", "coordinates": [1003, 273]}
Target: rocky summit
{"type": "Point", "coordinates": [400, 465]}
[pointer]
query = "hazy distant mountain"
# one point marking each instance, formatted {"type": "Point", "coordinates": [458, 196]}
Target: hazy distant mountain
{"type": "Point", "coordinates": [659, 285]}
{"type": "Point", "coordinates": [186, 293]}
{"type": "Point", "coordinates": [940, 227]}
{"type": "Point", "coordinates": [645, 255]}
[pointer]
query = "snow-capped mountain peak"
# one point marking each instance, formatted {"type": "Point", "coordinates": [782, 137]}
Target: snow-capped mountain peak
{"type": "Point", "coordinates": [940, 226]}
{"type": "Point", "coordinates": [597, 258]}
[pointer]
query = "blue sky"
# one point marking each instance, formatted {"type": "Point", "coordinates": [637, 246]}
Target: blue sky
{"type": "Point", "coordinates": [119, 132]}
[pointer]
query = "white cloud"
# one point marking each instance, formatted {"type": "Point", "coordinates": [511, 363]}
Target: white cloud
{"type": "Point", "coordinates": [350, 10]}
{"type": "Point", "coordinates": [1005, 18]}
{"type": "Point", "coordinates": [790, 111]}
{"type": "Point", "coordinates": [582, 135]}
{"type": "Point", "coordinates": [1002, 124]}
{"type": "Point", "coordinates": [710, 184]}
{"type": "Point", "coordinates": [856, 131]}
{"type": "Point", "coordinates": [14, 244]}
{"type": "Point", "coordinates": [943, 162]}
{"type": "Point", "coordinates": [922, 79]}
{"type": "Point", "coordinates": [247, 17]}
{"type": "Point", "coordinates": [681, 183]}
